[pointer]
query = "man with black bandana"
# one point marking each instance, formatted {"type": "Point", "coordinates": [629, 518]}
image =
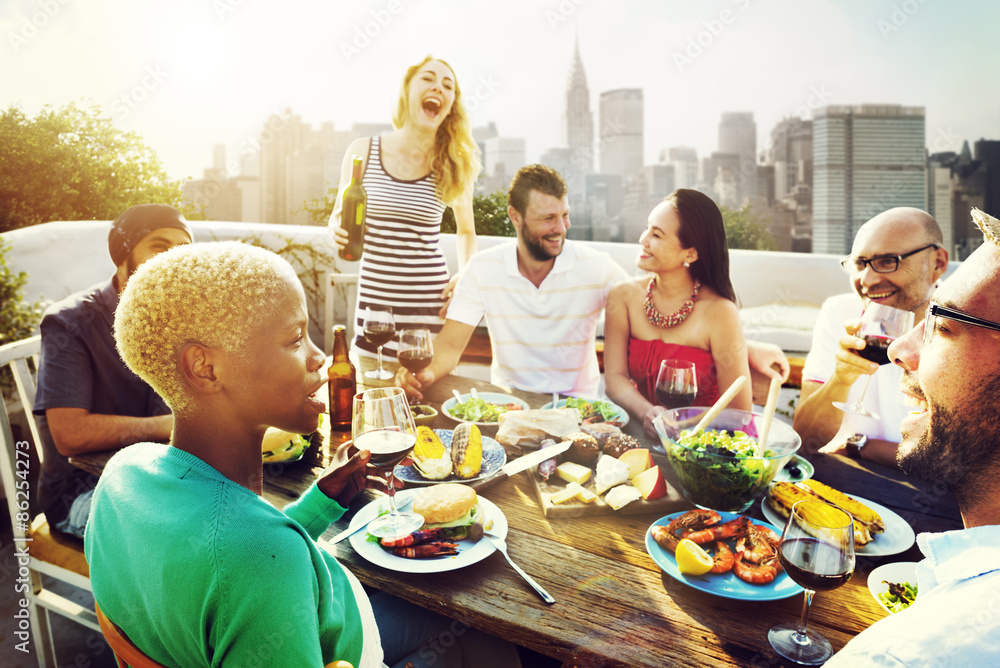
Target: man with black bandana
{"type": "Point", "coordinates": [951, 378]}
{"type": "Point", "coordinates": [87, 399]}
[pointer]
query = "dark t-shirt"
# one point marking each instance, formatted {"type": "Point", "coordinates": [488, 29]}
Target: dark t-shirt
{"type": "Point", "coordinates": [80, 368]}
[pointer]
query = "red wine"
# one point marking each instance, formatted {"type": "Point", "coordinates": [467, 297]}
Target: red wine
{"type": "Point", "coordinates": [671, 399]}
{"type": "Point", "coordinates": [379, 335]}
{"type": "Point", "coordinates": [876, 349]}
{"type": "Point", "coordinates": [387, 447]}
{"type": "Point", "coordinates": [814, 564]}
{"type": "Point", "coordinates": [352, 214]}
{"type": "Point", "coordinates": [414, 360]}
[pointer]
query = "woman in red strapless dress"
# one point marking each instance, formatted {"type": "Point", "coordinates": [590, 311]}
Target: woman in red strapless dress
{"type": "Point", "coordinates": [685, 308]}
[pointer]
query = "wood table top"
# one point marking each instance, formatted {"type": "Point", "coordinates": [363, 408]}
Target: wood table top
{"type": "Point", "coordinates": [614, 606]}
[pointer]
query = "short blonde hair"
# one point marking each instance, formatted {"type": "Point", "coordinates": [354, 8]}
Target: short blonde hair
{"type": "Point", "coordinates": [215, 294]}
{"type": "Point", "coordinates": [455, 155]}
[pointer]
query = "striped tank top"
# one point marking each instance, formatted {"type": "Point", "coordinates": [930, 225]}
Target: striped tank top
{"type": "Point", "coordinates": [402, 265]}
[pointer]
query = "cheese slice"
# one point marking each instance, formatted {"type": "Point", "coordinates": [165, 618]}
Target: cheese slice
{"type": "Point", "coordinates": [621, 496]}
{"type": "Point", "coordinates": [610, 472]}
{"type": "Point", "coordinates": [573, 472]}
{"type": "Point", "coordinates": [570, 492]}
{"type": "Point", "coordinates": [585, 495]}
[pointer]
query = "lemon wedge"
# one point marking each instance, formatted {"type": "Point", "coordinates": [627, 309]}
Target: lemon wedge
{"type": "Point", "coordinates": [692, 559]}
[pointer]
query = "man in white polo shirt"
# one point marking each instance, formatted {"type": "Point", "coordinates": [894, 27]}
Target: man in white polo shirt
{"type": "Point", "coordinates": [542, 297]}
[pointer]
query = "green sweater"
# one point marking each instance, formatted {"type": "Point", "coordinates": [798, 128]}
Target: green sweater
{"type": "Point", "coordinates": [200, 571]}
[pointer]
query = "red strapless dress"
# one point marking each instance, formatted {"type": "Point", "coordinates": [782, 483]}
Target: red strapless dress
{"type": "Point", "coordinates": [644, 359]}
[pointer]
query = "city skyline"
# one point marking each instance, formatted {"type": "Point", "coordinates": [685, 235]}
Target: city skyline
{"type": "Point", "coordinates": [196, 74]}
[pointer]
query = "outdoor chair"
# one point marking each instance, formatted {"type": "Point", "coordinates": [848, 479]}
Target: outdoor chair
{"type": "Point", "coordinates": [49, 553]}
{"type": "Point", "coordinates": [126, 653]}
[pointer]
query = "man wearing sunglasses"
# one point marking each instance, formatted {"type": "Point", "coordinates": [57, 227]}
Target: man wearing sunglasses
{"type": "Point", "coordinates": [951, 375]}
{"type": "Point", "coordinates": [896, 259]}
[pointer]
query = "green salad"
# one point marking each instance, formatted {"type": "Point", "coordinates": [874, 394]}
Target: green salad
{"type": "Point", "coordinates": [722, 470]}
{"type": "Point", "coordinates": [606, 410]}
{"type": "Point", "coordinates": [899, 597]}
{"type": "Point", "coordinates": [478, 410]}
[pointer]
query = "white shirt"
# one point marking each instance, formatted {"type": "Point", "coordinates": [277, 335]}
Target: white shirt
{"type": "Point", "coordinates": [955, 620]}
{"type": "Point", "coordinates": [883, 396]}
{"type": "Point", "coordinates": [543, 338]}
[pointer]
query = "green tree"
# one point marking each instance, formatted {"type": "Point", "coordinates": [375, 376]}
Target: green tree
{"type": "Point", "coordinates": [490, 214]}
{"type": "Point", "coordinates": [746, 230]}
{"type": "Point", "coordinates": [18, 320]}
{"type": "Point", "coordinates": [321, 209]}
{"type": "Point", "coordinates": [74, 164]}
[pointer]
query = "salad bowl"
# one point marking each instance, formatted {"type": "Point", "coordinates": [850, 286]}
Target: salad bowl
{"type": "Point", "coordinates": [723, 467]}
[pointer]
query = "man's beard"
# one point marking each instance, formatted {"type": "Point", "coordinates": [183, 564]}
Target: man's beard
{"type": "Point", "coordinates": [536, 250]}
{"type": "Point", "coordinates": [959, 445]}
{"type": "Point", "coordinates": [131, 265]}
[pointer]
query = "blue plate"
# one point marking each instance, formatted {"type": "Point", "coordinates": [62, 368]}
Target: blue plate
{"type": "Point", "coordinates": [494, 457]}
{"type": "Point", "coordinates": [726, 585]}
{"type": "Point", "coordinates": [621, 417]}
{"type": "Point", "coordinates": [490, 398]}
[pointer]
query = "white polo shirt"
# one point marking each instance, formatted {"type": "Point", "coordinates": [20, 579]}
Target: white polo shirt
{"type": "Point", "coordinates": [543, 338]}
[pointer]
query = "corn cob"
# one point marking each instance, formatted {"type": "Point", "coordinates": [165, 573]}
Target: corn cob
{"type": "Point", "coordinates": [784, 495]}
{"type": "Point", "coordinates": [467, 450]}
{"type": "Point", "coordinates": [430, 456]}
{"type": "Point", "coordinates": [860, 512]}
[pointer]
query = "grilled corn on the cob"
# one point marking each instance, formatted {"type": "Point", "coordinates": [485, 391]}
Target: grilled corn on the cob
{"type": "Point", "coordinates": [858, 510]}
{"type": "Point", "coordinates": [430, 456]}
{"type": "Point", "coordinates": [784, 495]}
{"type": "Point", "coordinates": [467, 450]}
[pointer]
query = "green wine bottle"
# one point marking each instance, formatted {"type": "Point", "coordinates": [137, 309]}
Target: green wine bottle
{"type": "Point", "coordinates": [352, 215]}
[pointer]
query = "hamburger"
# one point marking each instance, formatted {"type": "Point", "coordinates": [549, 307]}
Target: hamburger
{"type": "Point", "coordinates": [282, 446]}
{"type": "Point", "coordinates": [450, 506]}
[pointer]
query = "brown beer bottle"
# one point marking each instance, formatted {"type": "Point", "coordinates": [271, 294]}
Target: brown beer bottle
{"type": "Point", "coordinates": [352, 215]}
{"type": "Point", "coordinates": [343, 383]}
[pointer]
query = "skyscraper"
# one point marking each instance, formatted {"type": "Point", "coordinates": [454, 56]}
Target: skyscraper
{"type": "Point", "coordinates": [738, 136]}
{"type": "Point", "coordinates": [868, 158]}
{"type": "Point", "coordinates": [579, 124]}
{"type": "Point", "coordinates": [621, 132]}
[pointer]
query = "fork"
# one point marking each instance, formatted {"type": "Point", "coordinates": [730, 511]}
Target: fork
{"type": "Point", "coordinates": [501, 546]}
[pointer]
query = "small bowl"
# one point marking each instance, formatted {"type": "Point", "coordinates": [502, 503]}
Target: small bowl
{"type": "Point", "coordinates": [898, 572]}
{"type": "Point", "coordinates": [719, 480]}
{"type": "Point", "coordinates": [797, 469]}
{"type": "Point", "coordinates": [423, 414]}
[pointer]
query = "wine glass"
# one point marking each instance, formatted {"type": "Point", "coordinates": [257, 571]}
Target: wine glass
{"type": "Point", "coordinates": [817, 553]}
{"type": "Point", "coordinates": [880, 326]}
{"type": "Point", "coordinates": [415, 349]}
{"type": "Point", "coordinates": [676, 384]}
{"type": "Point", "coordinates": [379, 329]}
{"type": "Point", "coordinates": [384, 426]}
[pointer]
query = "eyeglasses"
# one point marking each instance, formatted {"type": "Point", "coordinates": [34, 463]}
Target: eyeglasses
{"type": "Point", "coordinates": [880, 264]}
{"type": "Point", "coordinates": [937, 311]}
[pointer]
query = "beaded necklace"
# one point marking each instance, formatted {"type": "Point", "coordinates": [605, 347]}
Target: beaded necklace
{"type": "Point", "coordinates": [666, 322]}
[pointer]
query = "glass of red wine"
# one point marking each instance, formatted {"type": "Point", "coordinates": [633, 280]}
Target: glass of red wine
{"type": "Point", "coordinates": [383, 425]}
{"type": "Point", "coordinates": [676, 384]}
{"type": "Point", "coordinates": [379, 330]}
{"type": "Point", "coordinates": [415, 349]}
{"type": "Point", "coordinates": [817, 553]}
{"type": "Point", "coordinates": [880, 326]}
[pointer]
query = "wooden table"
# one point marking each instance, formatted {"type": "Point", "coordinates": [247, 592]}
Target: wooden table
{"type": "Point", "coordinates": [614, 606]}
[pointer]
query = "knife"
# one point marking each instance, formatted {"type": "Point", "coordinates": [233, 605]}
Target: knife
{"type": "Point", "coordinates": [522, 464]}
{"type": "Point", "coordinates": [347, 533]}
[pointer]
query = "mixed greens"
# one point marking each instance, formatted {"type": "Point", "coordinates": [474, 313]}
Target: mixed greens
{"type": "Point", "coordinates": [899, 597]}
{"type": "Point", "coordinates": [606, 410]}
{"type": "Point", "coordinates": [475, 409]}
{"type": "Point", "coordinates": [722, 470]}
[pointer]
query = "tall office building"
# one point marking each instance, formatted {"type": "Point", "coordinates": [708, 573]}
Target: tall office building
{"type": "Point", "coordinates": [685, 162]}
{"type": "Point", "coordinates": [738, 136]}
{"type": "Point", "coordinates": [283, 135]}
{"type": "Point", "coordinates": [868, 158]}
{"type": "Point", "coordinates": [502, 157]}
{"type": "Point", "coordinates": [791, 153]}
{"type": "Point", "coordinates": [621, 132]}
{"type": "Point", "coordinates": [579, 125]}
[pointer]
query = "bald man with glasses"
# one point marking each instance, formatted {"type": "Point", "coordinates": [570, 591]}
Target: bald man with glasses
{"type": "Point", "coordinates": [896, 260]}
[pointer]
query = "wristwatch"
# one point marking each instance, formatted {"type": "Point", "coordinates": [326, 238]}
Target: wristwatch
{"type": "Point", "coordinates": [854, 444]}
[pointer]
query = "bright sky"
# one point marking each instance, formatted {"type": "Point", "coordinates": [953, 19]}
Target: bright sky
{"type": "Point", "coordinates": [187, 74]}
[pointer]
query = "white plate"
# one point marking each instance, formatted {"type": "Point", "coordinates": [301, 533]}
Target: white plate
{"type": "Point", "coordinates": [468, 553]}
{"type": "Point", "coordinates": [494, 457]}
{"type": "Point", "coordinates": [622, 413]}
{"type": "Point", "coordinates": [897, 537]}
{"type": "Point", "coordinates": [899, 572]}
{"type": "Point", "coordinates": [488, 397]}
